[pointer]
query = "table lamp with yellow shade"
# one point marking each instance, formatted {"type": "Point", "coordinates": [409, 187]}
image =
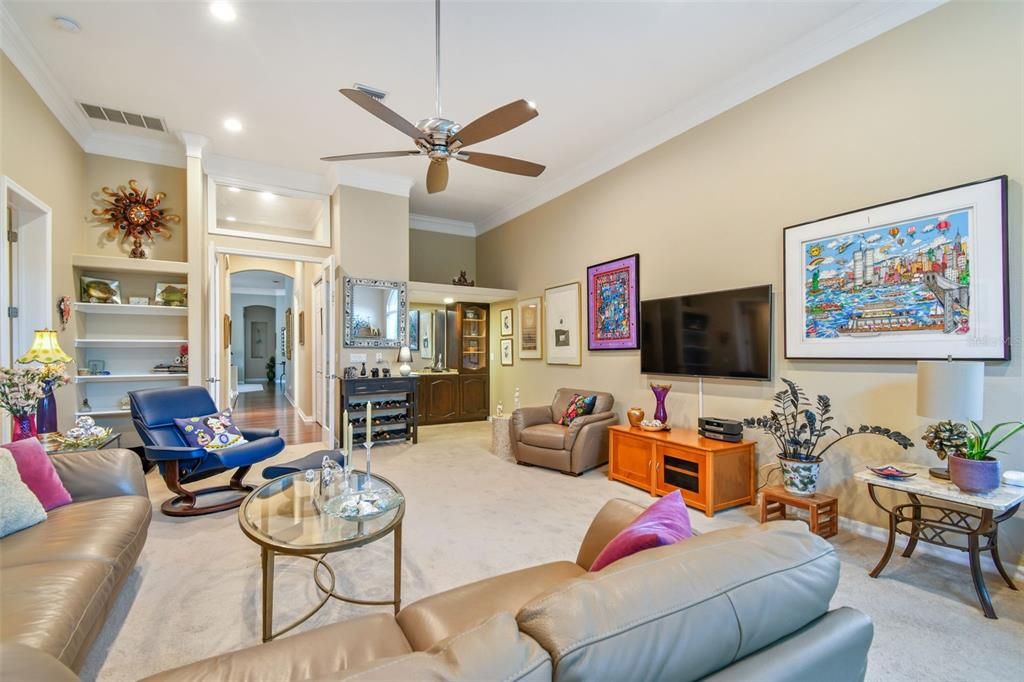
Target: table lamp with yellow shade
{"type": "Point", "coordinates": [46, 351]}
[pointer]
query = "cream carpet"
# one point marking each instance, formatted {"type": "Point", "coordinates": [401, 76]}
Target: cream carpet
{"type": "Point", "coordinates": [470, 515]}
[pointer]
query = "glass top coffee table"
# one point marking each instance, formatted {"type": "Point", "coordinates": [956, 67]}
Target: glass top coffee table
{"type": "Point", "coordinates": [280, 516]}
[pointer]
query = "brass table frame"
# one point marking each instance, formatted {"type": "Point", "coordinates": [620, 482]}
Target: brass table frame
{"type": "Point", "coordinates": [317, 554]}
{"type": "Point", "coordinates": [910, 519]}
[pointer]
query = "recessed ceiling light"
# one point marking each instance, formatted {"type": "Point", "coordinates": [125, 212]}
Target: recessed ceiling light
{"type": "Point", "coordinates": [449, 300]}
{"type": "Point", "coordinates": [223, 10]}
{"type": "Point", "coordinates": [66, 24]}
{"type": "Point", "coordinates": [267, 195]}
{"type": "Point", "coordinates": [234, 189]}
{"type": "Point", "coordinates": [231, 219]}
{"type": "Point", "coordinates": [233, 124]}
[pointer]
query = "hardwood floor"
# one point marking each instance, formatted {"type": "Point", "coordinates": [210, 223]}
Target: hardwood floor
{"type": "Point", "coordinates": [269, 409]}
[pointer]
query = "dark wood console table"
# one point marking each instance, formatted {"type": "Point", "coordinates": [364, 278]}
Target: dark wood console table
{"type": "Point", "coordinates": [394, 401]}
{"type": "Point", "coordinates": [946, 525]}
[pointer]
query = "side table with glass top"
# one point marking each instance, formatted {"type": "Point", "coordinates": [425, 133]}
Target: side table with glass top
{"type": "Point", "coordinates": [53, 447]}
{"type": "Point", "coordinates": [281, 517]}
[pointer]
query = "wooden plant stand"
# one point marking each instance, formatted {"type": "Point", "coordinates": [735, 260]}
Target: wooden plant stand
{"type": "Point", "coordinates": [823, 509]}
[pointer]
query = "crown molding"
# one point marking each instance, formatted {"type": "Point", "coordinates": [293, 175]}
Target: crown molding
{"type": "Point", "coordinates": [23, 55]}
{"type": "Point", "coordinates": [375, 181]}
{"type": "Point", "coordinates": [194, 143]}
{"type": "Point", "coordinates": [461, 228]}
{"type": "Point", "coordinates": [135, 148]}
{"type": "Point", "coordinates": [857, 25]}
{"type": "Point", "coordinates": [266, 174]}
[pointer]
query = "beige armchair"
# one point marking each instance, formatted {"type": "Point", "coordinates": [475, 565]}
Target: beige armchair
{"type": "Point", "coordinates": [539, 440]}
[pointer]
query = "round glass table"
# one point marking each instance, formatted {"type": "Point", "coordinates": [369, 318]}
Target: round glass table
{"type": "Point", "coordinates": [282, 517]}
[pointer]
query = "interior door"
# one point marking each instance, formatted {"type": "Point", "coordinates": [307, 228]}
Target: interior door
{"type": "Point", "coordinates": [327, 323]}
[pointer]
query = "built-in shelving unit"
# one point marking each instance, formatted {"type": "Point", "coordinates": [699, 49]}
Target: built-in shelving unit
{"type": "Point", "coordinates": [126, 340]}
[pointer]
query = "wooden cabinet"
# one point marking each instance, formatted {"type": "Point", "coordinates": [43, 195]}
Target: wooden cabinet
{"type": "Point", "coordinates": [450, 398]}
{"type": "Point", "coordinates": [467, 336]}
{"type": "Point", "coordinates": [474, 396]}
{"type": "Point", "coordinates": [710, 474]}
{"type": "Point", "coordinates": [395, 408]}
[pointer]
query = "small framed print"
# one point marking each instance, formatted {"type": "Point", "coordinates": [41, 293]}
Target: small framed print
{"type": "Point", "coordinates": [505, 320]}
{"type": "Point", "coordinates": [562, 324]}
{"type": "Point", "coordinates": [174, 295]}
{"type": "Point", "coordinates": [96, 367]}
{"type": "Point", "coordinates": [506, 353]}
{"type": "Point", "coordinates": [531, 329]}
{"type": "Point", "coordinates": [138, 300]}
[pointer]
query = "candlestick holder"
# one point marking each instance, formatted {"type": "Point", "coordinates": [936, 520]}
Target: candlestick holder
{"type": "Point", "coordinates": [368, 486]}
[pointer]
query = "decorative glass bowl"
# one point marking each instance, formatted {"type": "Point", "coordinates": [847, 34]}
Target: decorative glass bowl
{"type": "Point", "coordinates": [362, 505]}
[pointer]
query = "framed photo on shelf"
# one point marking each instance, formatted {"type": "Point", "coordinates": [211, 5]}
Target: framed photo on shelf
{"type": "Point", "coordinates": [913, 279]}
{"type": "Point", "coordinates": [138, 300]}
{"type": "Point", "coordinates": [531, 329]}
{"type": "Point", "coordinates": [175, 295]}
{"type": "Point", "coordinates": [506, 353]}
{"type": "Point", "coordinates": [505, 322]}
{"type": "Point", "coordinates": [98, 290]}
{"type": "Point", "coordinates": [562, 324]}
{"type": "Point", "coordinates": [613, 304]}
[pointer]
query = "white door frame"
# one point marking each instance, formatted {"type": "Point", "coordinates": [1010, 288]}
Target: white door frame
{"type": "Point", "coordinates": [330, 377]}
{"type": "Point", "coordinates": [216, 335]}
{"type": "Point", "coordinates": [319, 394]}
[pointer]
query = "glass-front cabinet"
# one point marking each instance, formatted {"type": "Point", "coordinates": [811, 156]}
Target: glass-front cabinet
{"type": "Point", "coordinates": [467, 337]}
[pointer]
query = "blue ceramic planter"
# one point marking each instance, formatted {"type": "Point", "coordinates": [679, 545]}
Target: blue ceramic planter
{"type": "Point", "coordinates": [975, 475]}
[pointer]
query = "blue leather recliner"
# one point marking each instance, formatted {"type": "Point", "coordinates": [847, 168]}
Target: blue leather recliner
{"type": "Point", "coordinates": [154, 411]}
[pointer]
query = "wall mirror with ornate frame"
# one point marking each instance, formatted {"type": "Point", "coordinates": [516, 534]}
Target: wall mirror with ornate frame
{"type": "Point", "coordinates": [376, 313]}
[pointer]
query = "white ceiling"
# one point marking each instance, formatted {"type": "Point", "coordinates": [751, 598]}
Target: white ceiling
{"type": "Point", "coordinates": [260, 279]}
{"type": "Point", "coordinates": [610, 79]}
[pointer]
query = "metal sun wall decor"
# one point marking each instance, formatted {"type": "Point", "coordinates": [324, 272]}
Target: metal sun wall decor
{"type": "Point", "coordinates": [134, 215]}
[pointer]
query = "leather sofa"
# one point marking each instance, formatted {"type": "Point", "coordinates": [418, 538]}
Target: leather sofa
{"type": "Point", "coordinates": [59, 578]}
{"type": "Point", "coordinates": [746, 603]}
{"type": "Point", "coordinates": [539, 440]}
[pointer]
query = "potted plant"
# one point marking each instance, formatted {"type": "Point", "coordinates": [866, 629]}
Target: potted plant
{"type": "Point", "coordinates": [972, 468]}
{"type": "Point", "coordinates": [798, 429]}
{"type": "Point", "coordinates": [20, 392]}
{"type": "Point", "coordinates": [271, 367]}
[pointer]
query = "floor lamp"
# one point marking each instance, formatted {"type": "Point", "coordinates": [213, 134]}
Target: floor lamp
{"type": "Point", "coordinates": [950, 390]}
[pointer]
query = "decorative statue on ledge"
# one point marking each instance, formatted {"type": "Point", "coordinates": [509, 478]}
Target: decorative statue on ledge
{"type": "Point", "coordinates": [135, 215]}
{"type": "Point", "coordinates": [463, 280]}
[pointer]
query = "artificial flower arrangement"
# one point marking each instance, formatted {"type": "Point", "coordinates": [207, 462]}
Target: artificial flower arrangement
{"type": "Point", "coordinates": [20, 390]}
{"type": "Point", "coordinates": [55, 374]}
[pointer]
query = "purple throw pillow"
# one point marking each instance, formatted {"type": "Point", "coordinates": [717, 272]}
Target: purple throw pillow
{"type": "Point", "coordinates": [37, 472]}
{"type": "Point", "coordinates": [211, 432]}
{"type": "Point", "coordinates": [665, 522]}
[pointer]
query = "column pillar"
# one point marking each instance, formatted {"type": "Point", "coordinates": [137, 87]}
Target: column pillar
{"type": "Point", "coordinates": [196, 235]}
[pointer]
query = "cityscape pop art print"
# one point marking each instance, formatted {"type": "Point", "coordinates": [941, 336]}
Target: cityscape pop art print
{"type": "Point", "coordinates": [914, 279]}
{"type": "Point", "coordinates": [613, 304]}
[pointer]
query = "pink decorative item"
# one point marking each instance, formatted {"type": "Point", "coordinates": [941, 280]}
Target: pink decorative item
{"type": "Point", "coordinates": [37, 472]}
{"type": "Point", "coordinates": [24, 426]}
{"type": "Point", "coordinates": [665, 522]}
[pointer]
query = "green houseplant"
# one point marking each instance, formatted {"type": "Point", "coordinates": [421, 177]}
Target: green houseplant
{"type": "Point", "coordinates": [271, 369]}
{"type": "Point", "coordinates": [801, 430]}
{"type": "Point", "coordinates": [972, 468]}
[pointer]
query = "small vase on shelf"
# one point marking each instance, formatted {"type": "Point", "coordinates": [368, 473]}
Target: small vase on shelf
{"type": "Point", "coordinates": [24, 426]}
{"type": "Point", "coordinates": [660, 393]}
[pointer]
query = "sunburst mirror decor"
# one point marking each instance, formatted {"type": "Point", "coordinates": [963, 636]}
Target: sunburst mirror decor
{"type": "Point", "coordinates": [134, 215]}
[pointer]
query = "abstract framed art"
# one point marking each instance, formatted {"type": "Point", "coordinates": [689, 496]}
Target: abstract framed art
{"type": "Point", "coordinates": [919, 278]}
{"type": "Point", "coordinates": [562, 324]}
{"type": "Point", "coordinates": [531, 329]}
{"type": "Point", "coordinates": [613, 304]}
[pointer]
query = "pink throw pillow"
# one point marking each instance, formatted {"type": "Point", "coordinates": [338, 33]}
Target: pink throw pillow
{"type": "Point", "coordinates": [665, 522]}
{"type": "Point", "coordinates": [37, 472]}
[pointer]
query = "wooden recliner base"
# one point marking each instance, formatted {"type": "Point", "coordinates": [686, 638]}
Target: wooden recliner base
{"type": "Point", "coordinates": [184, 503]}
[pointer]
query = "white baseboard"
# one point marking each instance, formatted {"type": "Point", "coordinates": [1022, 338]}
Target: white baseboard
{"type": "Point", "coordinates": [882, 534]}
{"type": "Point", "coordinates": [290, 399]}
{"type": "Point", "coordinates": [302, 415]}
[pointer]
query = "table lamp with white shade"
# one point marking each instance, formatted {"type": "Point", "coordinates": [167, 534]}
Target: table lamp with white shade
{"type": "Point", "coordinates": [950, 390]}
{"type": "Point", "coordinates": [405, 357]}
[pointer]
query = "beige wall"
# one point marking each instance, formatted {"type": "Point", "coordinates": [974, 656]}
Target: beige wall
{"type": "Point", "coordinates": [107, 171]}
{"type": "Point", "coordinates": [374, 230]}
{"type": "Point", "coordinates": [934, 103]}
{"type": "Point", "coordinates": [439, 257]}
{"type": "Point", "coordinates": [38, 154]}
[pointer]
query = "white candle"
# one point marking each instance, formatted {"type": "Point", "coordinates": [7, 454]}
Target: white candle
{"type": "Point", "coordinates": [369, 422]}
{"type": "Point", "coordinates": [348, 432]}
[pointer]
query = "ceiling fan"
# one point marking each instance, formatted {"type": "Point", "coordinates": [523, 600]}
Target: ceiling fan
{"type": "Point", "coordinates": [441, 139]}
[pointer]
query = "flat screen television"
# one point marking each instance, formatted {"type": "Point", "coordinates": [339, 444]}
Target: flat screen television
{"type": "Point", "coordinates": [721, 334]}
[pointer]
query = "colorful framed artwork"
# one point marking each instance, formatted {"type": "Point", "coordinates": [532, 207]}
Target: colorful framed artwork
{"type": "Point", "coordinates": [506, 353]}
{"type": "Point", "coordinates": [562, 324]}
{"type": "Point", "coordinates": [613, 304]}
{"type": "Point", "coordinates": [531, 329]}
{"type": "Point", "coordinates": [919, 278]}
{"type": "Point", "coordinates": [505, 322]}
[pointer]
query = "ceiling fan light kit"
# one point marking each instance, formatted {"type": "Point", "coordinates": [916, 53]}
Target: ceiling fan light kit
{"type": "Point", "coordinates": [441, 139]}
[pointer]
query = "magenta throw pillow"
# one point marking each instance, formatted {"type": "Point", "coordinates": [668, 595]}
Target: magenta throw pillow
{"type": "Point", "coordinates": [665, 522]}
{"type": "Point", "coordinates": [37, 472]}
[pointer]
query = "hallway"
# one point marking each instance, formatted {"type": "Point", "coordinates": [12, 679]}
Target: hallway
{"type": "Point", "coordinates": [269, 409]}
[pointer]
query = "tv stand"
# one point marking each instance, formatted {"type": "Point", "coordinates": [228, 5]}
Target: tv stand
{"type": "Point", "coordinates": [710, 474]}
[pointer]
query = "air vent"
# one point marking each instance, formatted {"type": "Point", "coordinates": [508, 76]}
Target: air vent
{"type": "Point", "coordinates": [123, 117]}
{"type": "Point", "coordinates": [375, 93]}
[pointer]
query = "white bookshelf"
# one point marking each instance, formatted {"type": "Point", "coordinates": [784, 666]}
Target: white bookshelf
{"type": "Point", "coordinates": [127, 309]}
{"type": "Point", "coordinates": [129, 343]}
{"type": "Point", "coordinates": [88, 262]}
{"type": "Point", "coordinates": [104, 412]}
{"type": "Point", "coordinates": [110, 378]}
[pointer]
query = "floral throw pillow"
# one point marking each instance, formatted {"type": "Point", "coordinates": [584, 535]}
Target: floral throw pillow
{"type": "Point", "coordinates": [212, 432]}
{"type": "Point", "coordinates": [579, 406]}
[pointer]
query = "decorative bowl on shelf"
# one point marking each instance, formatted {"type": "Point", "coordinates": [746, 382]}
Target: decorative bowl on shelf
{"type": "Point", "coordinates": [653, 425]}
{"type": "Point", "coordinates": [891, 472]}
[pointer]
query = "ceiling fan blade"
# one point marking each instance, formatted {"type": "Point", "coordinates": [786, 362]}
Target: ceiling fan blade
{"type": "Point", "coordinates": [382, 112]}
{"type": "Point", "coordinates": [368, 155]}
{"type": "Point", "coordinates": [505, 164]}
{"type": "Point", "coordinates": [501, 120]}
{"type": "Point", "coordinates": [437, 176]}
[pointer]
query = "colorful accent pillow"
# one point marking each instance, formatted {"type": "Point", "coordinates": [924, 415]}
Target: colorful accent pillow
{"type": "Point", "coordinates": [665, 522]}
{"type": "Point", "coordinates": [579, 406]}
{"type": "Point", "coordinates": [212, 432]}
{"type": "Point", "coordinates": [19, 508]}
{"type": "Point", "coordinates": [37, 472]}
